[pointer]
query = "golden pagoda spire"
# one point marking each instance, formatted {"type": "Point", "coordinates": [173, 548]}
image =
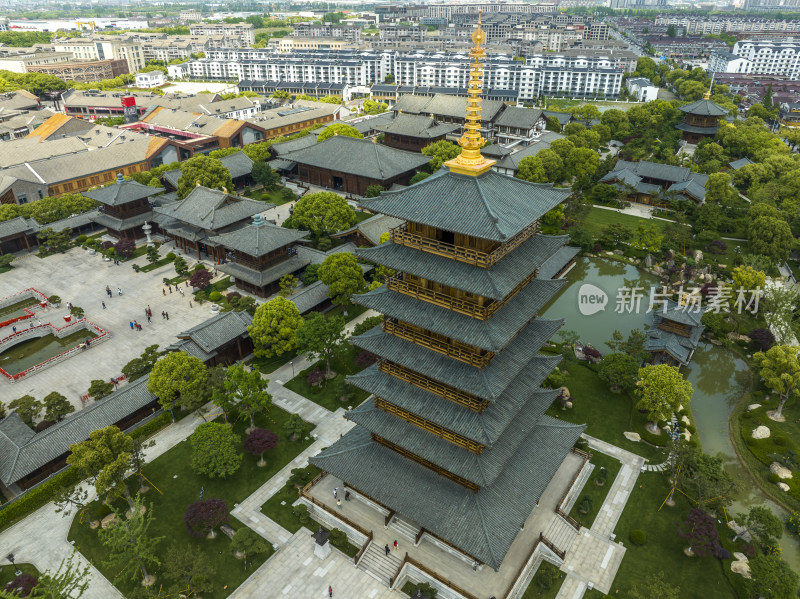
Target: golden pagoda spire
{"type": "Point", "coordinates": [470, 161]}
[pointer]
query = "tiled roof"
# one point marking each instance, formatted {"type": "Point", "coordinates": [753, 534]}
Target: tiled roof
{"type": "Point", "coordinates": [218, 330]}
{"type": "Point", "coordinates": [445, 105]}
{"type": "Point", "coordinates": [211, 209]}
{"type": "Point", "coordinates": [259, 239]}
{"type": "Point", "coordinates": [358, 157]}
{"type": "Point", "coordinates": [520, 118]}
{"type": "Point", "coordinates": [491, 206]}
{"type": "Point", "coordinates": [737, 164]}
{"type": "Point", "coordinates": [495, 283]}
{"type": "Point", "coordinates": [416, 125]}
{"type": "Point", "coordinates": [308, 297]}
{"type": "Point", "coordinates": [704, 108]}
{"type": "Point", "coordinates": [285, 147]}
{"type": "Point", "coordinates": [267, 276]}
{"type": "Point", "coordinates": [557, 261]}
{"type": "Point", "coordinates": [238, 163]}
{"type": "Point", "coordinates": [121, 192]}
{"type": "Point", "coordinates": [491, 335]}
{"type": "Point", "coordinates": [17, 225]}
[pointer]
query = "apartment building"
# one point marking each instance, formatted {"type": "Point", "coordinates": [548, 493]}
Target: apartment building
{"type": "Point", "coordinates": [779, 57]}
{"type": "Point", "coordinates": [21, 63]}
{"type": "Point", "coordinates": [84, 71]}
{"type": "Point", "coordinates": [244, 32]}
{"type": "Point", "coordinates": [102, 48]}
{"type": "Point", "coordinates": [728, 62]}
{"type": "Point", "coordinates": [192, 15]}
{"type": "Point", "coordinates": [338, 31]}
{"type": "Point", "coordinates": [290, 44]}
{"type": "Point", "coordinates": [714, 25]}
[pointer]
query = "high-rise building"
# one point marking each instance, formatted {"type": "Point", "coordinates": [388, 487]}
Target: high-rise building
{"type": "Point", "coordinates": [454, 438]}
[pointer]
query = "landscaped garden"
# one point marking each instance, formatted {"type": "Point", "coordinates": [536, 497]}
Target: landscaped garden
{"type": "Point", "coordinates": [174, 485]}
{"type": "Point", "coordinates": [596, 488]}
{"type": "Point", "coordinates": [545, 583]}
{"type": "Point", "coordinates": [8, 574]}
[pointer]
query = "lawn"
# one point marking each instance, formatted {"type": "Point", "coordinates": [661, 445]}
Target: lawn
{"type": "Point", "coordinates": [353, 311]}
{"type": "Point", "coordinates": [596, 493]}
{"type": "Point", "coordinates": [546, 570]}
{"type": "Point", "coordinates": [158, 264]}
{"type": "Point", "coordinates": [607, 415]}
{"type": "Point", "coordinates": [598, 218]}
{"type": "Point", "coordinates": [698, 578]}
{"type": "Point", "coordinates": [7, 571]}
{"type": "Point", "coordinates": [273, 197]}
{"type": "Point", "coordinates": [172, 475]}
{"type": "Point", "coordinates": [270, 365]}
{"type": "Point", "coordinates": [327, 395]}
{"type": "Point", "coordinates": [279, 507]}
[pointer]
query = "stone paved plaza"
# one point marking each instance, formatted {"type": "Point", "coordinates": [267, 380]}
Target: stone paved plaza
{"type": "Point", "coordinates": [81, 279]}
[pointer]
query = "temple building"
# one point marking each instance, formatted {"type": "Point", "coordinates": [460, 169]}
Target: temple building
{"type": "Point", "coordinates": [125, 207]}
{"type": "Point", "coordinates": [673, 334]}
{"type": "Point", "coordinates": [700, 120]}
{"type": "Point", "coordinates": [260, 254]}
{"type": "Point", "coordinates": [413, 132]}
{"type": "Point", "coordinates": [454, 441]}
{"type": "Point", "coordinates": [203, 214]}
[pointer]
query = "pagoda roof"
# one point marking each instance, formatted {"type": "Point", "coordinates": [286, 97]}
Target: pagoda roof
{"type": "Point", "coordinates": [259, 238]}
{"type": "Point", "coordinates": [677, 313]}
{"type": "Point", "coordinates": [490, 206]}
{"type": "Point", "coordinates": [484, 524]}
{"type": "Point", "coordinates": [122, 192]}
{"type": "Point", "coordinates": [495, 283]}
{"type": "Point", "coordinates": [556, 263]}
{"type": "Point", "coordinates": [491, 335]}
{"type": "Point", "coordinates": [260, 278]}
{"type": "Point", "coordinates": [484, 427]}
{"type": "Point", "coordinates": [481, 469]}
{"type": "Point", "coordinates": [416, 125]}
{"type": "Point", "coordinates": [704, 108]}
{"type": "Point", "coordinates": [487, 383]}
{"type": "Point", "coordinates": [212, 209]}
{"type": "Point", "coordinates": [695, 129]}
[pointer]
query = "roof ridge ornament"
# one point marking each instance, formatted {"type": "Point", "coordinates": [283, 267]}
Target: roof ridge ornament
{"type": "Point", "coordinates": [470, 161]}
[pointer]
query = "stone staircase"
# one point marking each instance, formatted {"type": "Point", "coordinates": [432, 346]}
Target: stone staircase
{"type": "Point", "coordinates": [561, 534]}
{"type": "Point", "coordinates": [377, 564]}
{"type": "Point", "coordinates": [403, 528]}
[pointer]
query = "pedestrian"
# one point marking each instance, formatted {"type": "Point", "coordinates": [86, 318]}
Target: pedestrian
{"type": "Point", "coordinates": [136, 325]}
{"type": "Point", "coordinates": [339, 503]}
{"type": "Point", "coordinates": [38, 322]}
{"type": "Point", "coordinates": [167, 314]}
{"type": "Point", "coordinates": [395, 544]}
{"type": "Point", "coordinates": [104, 305]}
{"type": "Point", "coordinates": [386, 549]}
{"type": "Point", "coordinates": [14, 329]}
{"type": "Point", "coordinates": [162, 314]}
{"type": "Point", "coordinates": [164, 292]}
{"type": "Point", "coordinates": [148, 319]}
{"type": "Point", "coordinates": [119, 291]}
{"type": "Point", "coordinates": [335, 492]}
{"type": "Point", "coordinates": [347, 495]}
{"type": "Point", "coordinates": [181, 291]}
{"type": "Point", "coordinates": [187, 283]}
{"type": "Point", "coordinates": [131, 323]}
{"type": "Point", "coordinates": [474, 564]}
{"type": "Point", "coordinates": [108, 291]}
{"type": "Point", "coordinates": [170, 289]}
{"type": "Point", "coordinates": [190, 303]}
{"type": "Point", "coordinates": [330, 591]}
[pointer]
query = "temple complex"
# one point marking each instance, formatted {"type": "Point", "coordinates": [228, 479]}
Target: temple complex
{"type": "Point", "coordinates": [454, 438]}
{"type": "Point", "coordinates": [700, 120]}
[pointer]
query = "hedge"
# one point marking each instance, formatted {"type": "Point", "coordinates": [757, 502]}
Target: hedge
{"type": "Point", "coordinates": [657, 440]}
{"type": "Point", "coordinates": [638, 537]}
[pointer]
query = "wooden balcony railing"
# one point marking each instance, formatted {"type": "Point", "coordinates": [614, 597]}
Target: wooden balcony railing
{"type": "Point", "coordinates": [445, 581]}
{"type": "Point", "coordinates": [444, 391]}
{"type": "Point", "coordinates": [456, 304]}
{"type": "Point", "coordinates": [453, 349]}
{"type": "Point", "coordinates": [674, 328]}
{"type": "Point", "coordinates": [548, 543]}
{"type": "Point", "coordinates": [401, 236]}
{"type": "Point", "coordinates": [363, 549]}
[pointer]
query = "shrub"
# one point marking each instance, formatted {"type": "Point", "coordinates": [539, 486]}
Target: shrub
{"type": "Point", "coordinates": [338, 538]}
{"type": "Point", "coordinates": [21, 586]}
{"type": "Point", "coordinates": [215, 296]}
{"type": "Point", "coordinates": [774, 478]}
{"type": "Point", "coordinates": [751, 441]}
{"type": "Point", "coordinates": [232, 296]}
{"type": "Point", "coordinates": [717, 247]}
{"type": "Point", "coordinates": [367, 324]}
{"type": "Point", "coordinates": [315, 377]}
{"type": "Point", "coordinates": [324, 244]}
{"type": "Point", "coordinates": [200, 296]}
{"type": "Point", "coordinates": [692, 429]}
{"type": "Point", "coordinates": [597, 248]}
{"type": "Point", "coordinates": [761, 339]}
{"type": "Point", "coordinates": [723, 553]}
{"type": "Point", "coordinates": [39, 496]}
{"type": "Point", "coordinates": [424, 587]}
{"type": "Point", "coordinates": [102, 510]}
{"type": "Point", "coordinates": [81, 238]}
{"type": "Point", "coordinates": [638, 537]}
{"type": "Point", "coordinates": [136, 268]}
{"type": "Point", "coordinates": [170, 256]}
{"type": "Point", "coordinates": [585, 505]}
{"type": "Point", "coordinates": [778, 440]}
{"type": "Point", "coordinates": [300, 512]}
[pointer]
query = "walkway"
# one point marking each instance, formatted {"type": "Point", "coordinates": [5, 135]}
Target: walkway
{"type": "Point", "coordinates": [637, 210]}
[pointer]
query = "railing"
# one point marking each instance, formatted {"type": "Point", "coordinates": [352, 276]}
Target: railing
{"type": "Point", "coordinates": [15, 297]}
{"type": "Point", "coordinates": [678, 330]}
{"type": "Point", "coordinates": [559, 510]}
{"type": "Point", "coordinates": [363, 549]}
{"type": "Point", "coordinates": [393, 579]}
{"type": "Point", "coordinates": [547, 543]}
{"type": "Point", "coordinates": [418, 538]}
{"type": "Point", "coordinates": [521, 569]}
{"type": "Point", "coordinates": [396, 283]}
{"type": "Point", "coordinates": [388, 518]}
{"type": "Point", "coordinates": [442, 579]}
{"type": "Point", "coordinates": [462, 353]}
{"type": "Point", "coordinates": [401, 236]}
{"type": "Point", "coordinates": [304, 493]}
{"type": "Point", "coordinates": [445, 391]}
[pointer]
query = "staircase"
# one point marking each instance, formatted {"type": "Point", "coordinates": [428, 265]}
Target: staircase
{"type": "Point", "coordinates": [561, 534]}
{"type": "Point", "coordinates": [403, 528]}
{"type": "Point", "coordinates": [577, 487]}
{"type": "Point", "coordinates": [377, 564]}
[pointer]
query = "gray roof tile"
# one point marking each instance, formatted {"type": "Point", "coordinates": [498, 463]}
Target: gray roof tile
{"type": "Point", "coordinates": [121, 192]}
{"type": "Point", "coordinates": [219, 330]}
{"type": "Point", "coordinates": [258, 239]}
{"type": "Point", "coordinates": [211, 209]}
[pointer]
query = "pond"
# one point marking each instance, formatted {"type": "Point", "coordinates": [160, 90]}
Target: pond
{"type": "Point", "coordinates": [717, 376]}
{"type": "Point", "coordinates": [31, 352]}
{"type": "Point", "coordinates": [17, 309]}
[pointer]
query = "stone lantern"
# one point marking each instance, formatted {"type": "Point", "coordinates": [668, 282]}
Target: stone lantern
{"type": "Point", "coordinates": [322, 548]}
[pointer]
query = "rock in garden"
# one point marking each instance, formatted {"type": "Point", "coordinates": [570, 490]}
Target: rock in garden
{"type": "Point", "coordinates": [781, 470]}
{"type": "Point", "coordinates": [739, 556]}
{"type": "Point", "coordinates": [753, 406]}
{"type": "Point", "coordinates": [698, 256]}
{"type": "Point", "coordinates": [762, 432]}
{"type": "Point", "coordinates": [635, 437]}
{"type": "Point", "coordinates": [619, 252]}
{"type": "Point", "coordinates": [685, 419]}
{"type": "Point", "coordinates": [783, 487]}
{"type": "Point", "coordinates": [742, 568]}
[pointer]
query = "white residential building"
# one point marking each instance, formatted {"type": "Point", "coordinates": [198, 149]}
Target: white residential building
{"type": "Point", "coordinates": [150, 79]}
{"type": "Point", "coordinates": [727, 62]}
{"type": "Point", "coordinates": [244, 32]}
{"type": "Point", "coordinates": [642, 88]}
{"type": "Point", "coordinates": [771, 57]}
{"type": "Point", "coordinates": [103, 47]}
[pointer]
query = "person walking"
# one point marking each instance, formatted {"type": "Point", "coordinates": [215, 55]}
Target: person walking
{"type": "Point", "coordinates": [335, 492]}
{"type": "Point", "coordinates": [347, 495]}
{"type": "Point", "coordinates": [474, 564]}
{"type": "Point", "coordinates": [395, 544]}
{"type": "Point", "coordinates": [386, 549]}
{"type": "Point", "coordinates": [136, 324]}
{"type": "Point", "coordinates": [119, 291]}
{"type": "Point", "coordinates": [104, 305]}
{"type": "Point", "coordinates": [148, 319]}
{"type": "Point", "coordinates": [14, 329]}
{"type": "Point", "coordinates": [163, 315]}
{"type": "Point", "coordinates": [339, 503]}
{"type": "Point", "coordinates": [164, 292]}
{"type": "Point", "coordinates": [170, 289]}
{"type": "Point", "coordinates": [167, 314]}
{"type": "Point", "coordinates": [190, 303]}
{"type": "Point", "coordinates": [180, 290]}
{"type": "Point", "coordinates": [131, 323]}
{"type": "Point", "coordinates": [330, 591]}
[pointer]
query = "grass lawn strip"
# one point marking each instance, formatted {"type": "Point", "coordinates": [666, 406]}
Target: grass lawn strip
{"type": "Point", "coordinates": [535, 592]}
{"type": "Point", "coordinates": [7, 572]}
{"type": "Point", "coordinates": [597, 494]}
{"type": "Point", "coordinates": [599, 218]}
{"type": "Point", "coordinates": [172, 475]}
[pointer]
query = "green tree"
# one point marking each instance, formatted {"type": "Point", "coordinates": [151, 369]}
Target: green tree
{"type": "Point", "coordinates": [647, 237]}
{"type": "Point", "coordinates": [705, 479]}
{"type": "Point", "coordinates": [415, 179]}
{"type": "Point", "coordinates": [762, 524]}
{"type": "Point", "coordinates": [343, 275]}
{"type": "Point", "coordinates": [181, 267]}
{"type": "Point", "coordinates": [618, 371]}
{"type": "Point", "coordinates": [748, 278]}
{"type": "Point", "coordinates": [582, 163]}
{"type": "Point", "coordinates": [275, 327]}
{"type": "Point", "coordinates": [373, 191]}
{"type": "Point", "coordinates": [69, 580]}
{"type": "Point", "coordinates": [177, 379]}
{"type": "Point", "coordinates": [247, 542]}
{"type": "Point", "coordinates": [617, 122]}
{"type": "Point", "coordinates": [288, 285]}
{"type": "Point", "coordinates": [719, 190]}
{"type": "Point", "coordinates": [656, 587]}
{"type": "Point", "coordinates": [770, 237]}
{"type": "Point", "coordinates": [27, 407]}
{"type": "Point", "coordinates": [131, 550]}
{"type": "Point", "coordinates": [671, 32]}
{"type": "Point", "coordinates": [215, 450]}
{"type": "Point", "coordinates": [440, 152]}
{"type": "Point", "coordinates": [373, 107]}
{"type": "Point", "coordinates": [771, 578]}
{"type": "Point", "coordinates": [323, 212]}
{"type": "Point", "coordinates": [321, 337]}
{"type": "Point", "coordinates": [188, 568]}
{"type": "Point", "coordinates": [766, 101]}
{"type": "Point", "coordinates": [99, 389]}
{"type": "Point", "coordinates": [104, 457]}
{"type": "Point", "coordinates": [138, 367]}
{"type": "Point", "coordinates": [531, 169]}
{"type": "Point", "coordinates": [152, 255]}
{"type": "Point", "coordinates": [247, 391]}
{"type": "Point", "coordinates": [208, 172]}
{"type": "Point", "coordinates": [264, 175]}
{"type": "Point", "coordinates": [259, 152]}
{"type": "Point", "coordinates": [661, 389]}
{"type": "Point", "coordinates": [56, 406]}
{"type": "Point", "coordinates": [780, 370]}
{"type": "Point", "coordinates": [339, 129]}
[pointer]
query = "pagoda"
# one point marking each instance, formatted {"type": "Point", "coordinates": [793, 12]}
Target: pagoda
{"type": "Point", "coordinates": [454, 436]}
{"type": "Point", "coordinates": [700, 120]}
